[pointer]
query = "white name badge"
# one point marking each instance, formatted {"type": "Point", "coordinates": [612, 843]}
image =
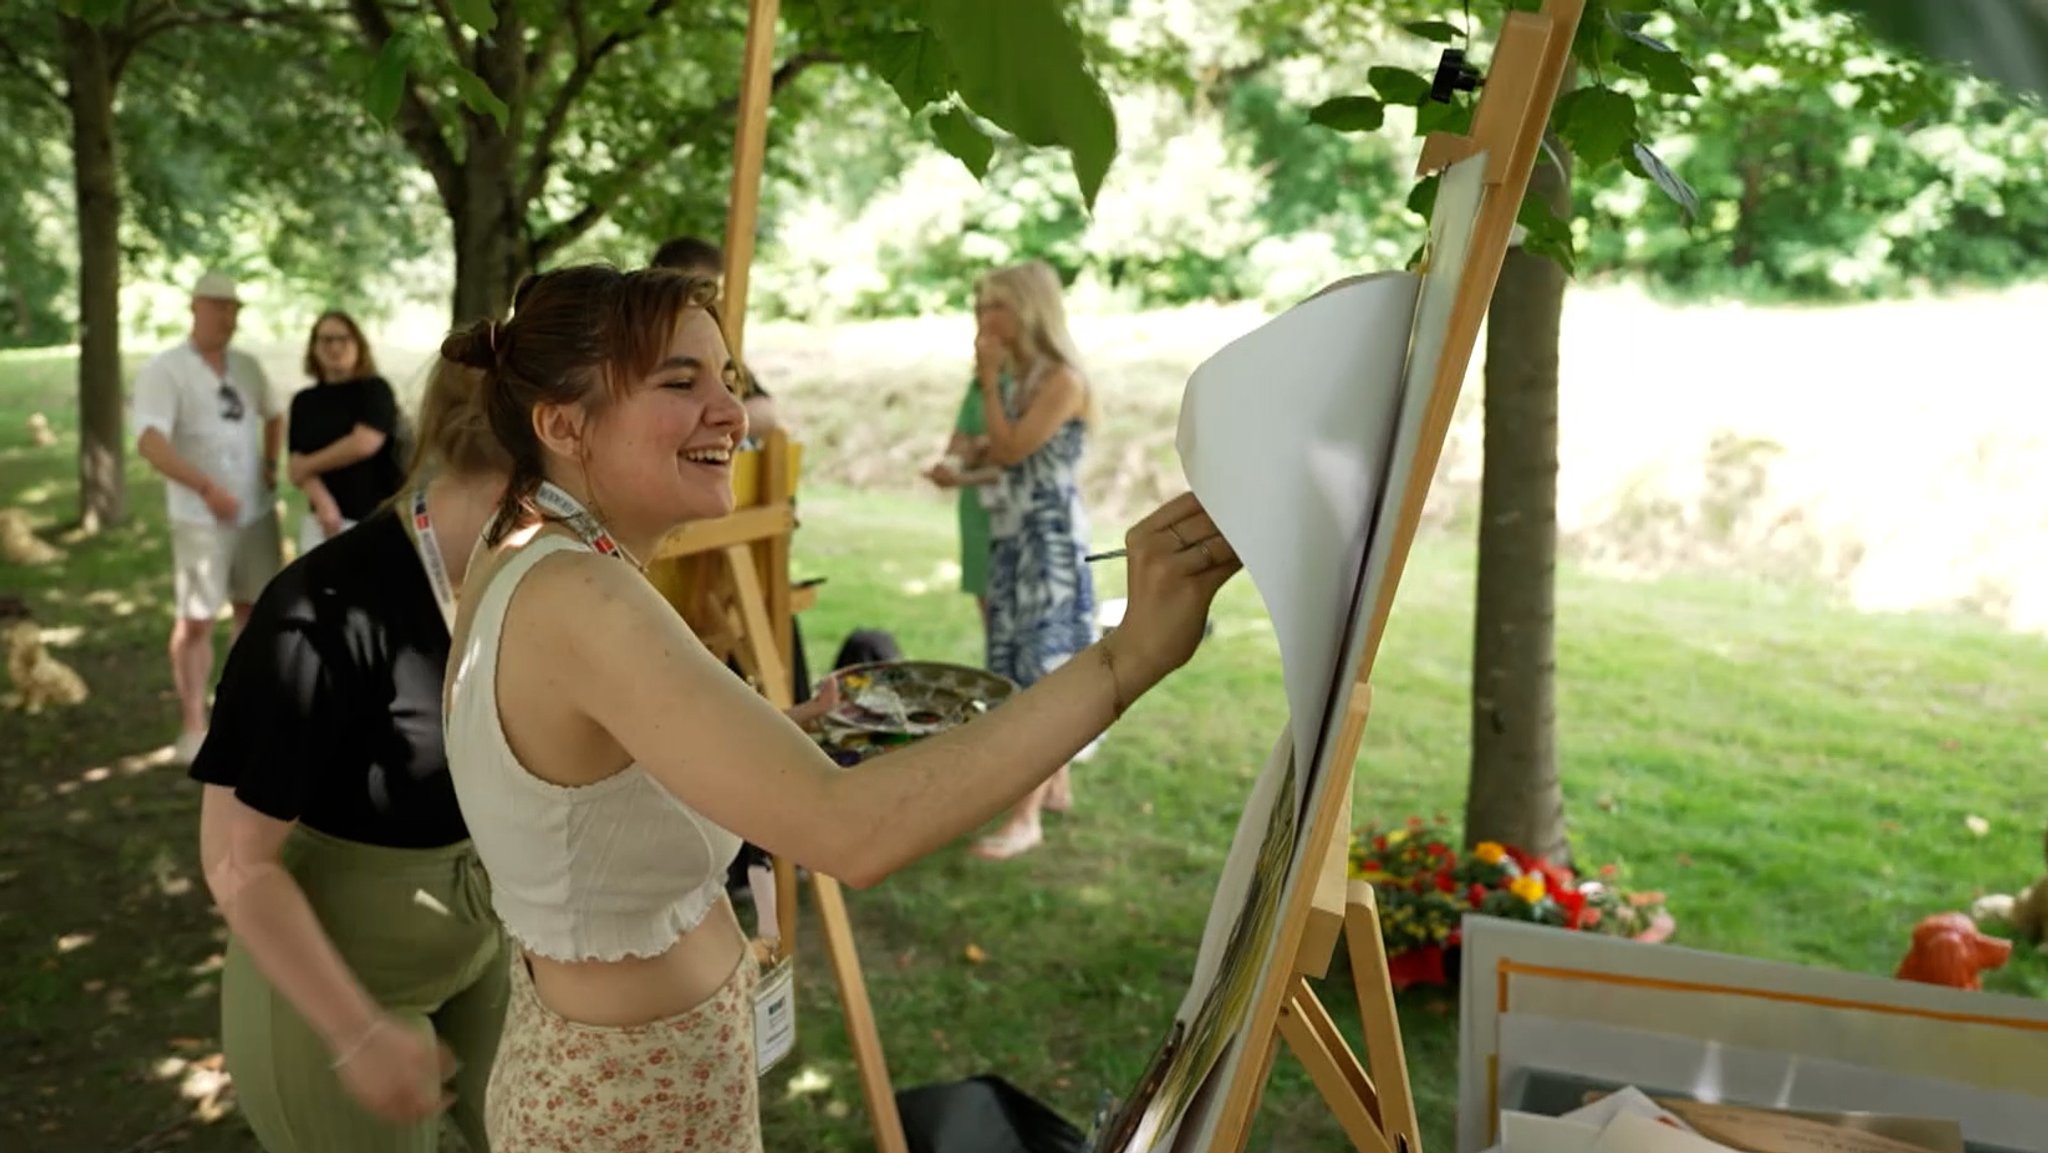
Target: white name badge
{"type": "Point", "coordinates": [775, 1015]}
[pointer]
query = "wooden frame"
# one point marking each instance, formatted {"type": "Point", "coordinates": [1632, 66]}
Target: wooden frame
{"type": "Point", "coordinates": [1377, 1109]}
{"type": "Point", "coordinates": [730, 579]}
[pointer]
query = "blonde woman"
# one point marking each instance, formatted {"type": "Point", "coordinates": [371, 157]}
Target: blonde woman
{"type": "Point", "coordinates": [1036, 408]}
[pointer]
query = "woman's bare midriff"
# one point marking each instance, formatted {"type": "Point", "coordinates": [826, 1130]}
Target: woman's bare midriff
{"type": "Point", "coordinates": [641, 990]}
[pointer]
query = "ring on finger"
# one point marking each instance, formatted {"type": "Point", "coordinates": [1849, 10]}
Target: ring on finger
{"type": "Point", "coordinates": [1210, 556]}
{"type": "Point", "coordinates": [1178, 539]}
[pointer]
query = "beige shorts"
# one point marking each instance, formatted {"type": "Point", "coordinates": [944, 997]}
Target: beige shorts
{"type": "Point", "coordinates": [217, 565]}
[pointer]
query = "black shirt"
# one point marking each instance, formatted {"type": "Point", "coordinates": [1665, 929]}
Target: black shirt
{"type": "Point", "coordinates": [324, 413]}
{"type": "Point", "coordinates": [329, 709]}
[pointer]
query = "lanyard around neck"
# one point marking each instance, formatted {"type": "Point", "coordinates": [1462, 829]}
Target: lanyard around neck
{"type": "Point", "coordinates": [429, 549]}
{"type": "Point", "coordinates": [556, 502]}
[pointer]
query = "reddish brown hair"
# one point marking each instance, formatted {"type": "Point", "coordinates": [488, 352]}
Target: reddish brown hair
{"type": "Point", "coordinates": [582, 334]}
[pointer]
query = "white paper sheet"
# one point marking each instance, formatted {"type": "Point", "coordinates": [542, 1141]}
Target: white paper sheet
{"type": "Point", "coordinates": [1452, 220]}
{"type": "Point", "coordinates": [1634, 1133]}
{"type": "Point", "coordinates": [1715, 1071]}
{"type": "Point", "coordinates": [1285, 435]}
{"type": "Point", "coordinates": [1579, 1130]}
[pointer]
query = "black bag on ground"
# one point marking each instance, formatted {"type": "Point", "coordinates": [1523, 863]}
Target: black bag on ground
{"type": "Point", "coordinates": [983, 1114]}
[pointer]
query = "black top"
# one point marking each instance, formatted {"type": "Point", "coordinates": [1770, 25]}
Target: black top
{"type": "Point", "coordinates": [329, 709]}
{"type": "Point", "coordinates": [324, 413]}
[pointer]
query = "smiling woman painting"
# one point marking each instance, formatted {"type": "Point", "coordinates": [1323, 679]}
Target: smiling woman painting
{"type": "Point", "coordinates": [608, 765]}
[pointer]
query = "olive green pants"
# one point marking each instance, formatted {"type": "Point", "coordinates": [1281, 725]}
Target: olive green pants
{"type": "Point", "coordinates": [416, 928]}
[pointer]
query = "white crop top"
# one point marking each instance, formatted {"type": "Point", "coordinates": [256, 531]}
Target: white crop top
{"type": "Point", "coordinates": [619, 868]}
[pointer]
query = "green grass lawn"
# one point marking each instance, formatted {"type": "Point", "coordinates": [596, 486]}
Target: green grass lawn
{"type": "Point", "coordinates": [1797, 778]}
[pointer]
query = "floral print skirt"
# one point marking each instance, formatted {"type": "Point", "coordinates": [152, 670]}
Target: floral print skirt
{"type": "Point", "coordinates": [685, 1082]}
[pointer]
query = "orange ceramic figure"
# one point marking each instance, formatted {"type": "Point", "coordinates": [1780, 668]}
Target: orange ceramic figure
{"type": "Point", "coordinates": [1948, 950]}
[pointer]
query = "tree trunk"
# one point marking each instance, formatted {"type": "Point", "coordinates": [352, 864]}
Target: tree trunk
{"type": "Point", "coordinates": [89, 69]}
{"type": "Point", "coordinates": [490, 242]}
{"type": "Point", "coordinates": [1514, 796]}
{"type": "Point", "coordinates": [493, 248]}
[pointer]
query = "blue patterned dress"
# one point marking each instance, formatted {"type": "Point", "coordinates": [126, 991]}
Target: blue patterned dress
{"type": "Point", "coordinates": [1041, 598]}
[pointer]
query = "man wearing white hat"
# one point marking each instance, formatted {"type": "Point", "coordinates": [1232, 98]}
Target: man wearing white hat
{"type": "Point", "coordinates": [207, 420]}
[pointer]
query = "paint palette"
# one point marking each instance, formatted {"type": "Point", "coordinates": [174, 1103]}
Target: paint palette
{"type": "Point", "coordinates": [914, 698]}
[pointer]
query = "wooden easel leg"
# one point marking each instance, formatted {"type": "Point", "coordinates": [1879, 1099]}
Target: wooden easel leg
{"type": "Point", "coordinates": [766, 656]}
{"type": "Point", "coordinates": [1381, 1020]}
{"type": "Point", "coordinates": [860, 1017]}
{"type": "Point", "coordinates": [1342, 1081]}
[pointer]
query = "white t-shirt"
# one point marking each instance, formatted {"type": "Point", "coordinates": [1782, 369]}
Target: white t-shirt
{"type": "Point", "coordinates": [214, 422]}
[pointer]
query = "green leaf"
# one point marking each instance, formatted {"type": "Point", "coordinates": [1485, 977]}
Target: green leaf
{"type": "Point", "coordinates": [1398, 85]}
{"type": "Point", "coordinates": [1597, 123]}
{"type": "Point", "coordinates": [479, 97]}
{"type": "Point", "coordinates": [1544, 234]}
{"type": "Point", "coordinates": [1422, 198]}
{"type": "Point", "coordinates": [387, 79]}
{"type": "Point", "coordinates": [1455, 118]}
{"type": "Point", "coordinates": [957, 134]}
{"type": "Point", "coordinates": [1646, 164]}
{"type": "Point", "coordinates": [1657, 64]}
{"type": "Point", "coordinates": [914, 64]}
{"type": "Point", "coordinates": [1349, 114]}
{"type": "Point", "coordinates": [1019, 66]}
{"type": "Point", "coordinates": [478, 14]}
{"type": "Point", "coordinates": [1441, 31]}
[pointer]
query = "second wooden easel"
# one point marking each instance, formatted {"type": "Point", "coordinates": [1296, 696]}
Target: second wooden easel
{"type": "Point", "coordinates": [730, 579]}
{"type": "Point", "coordinates": [1376, 1106]}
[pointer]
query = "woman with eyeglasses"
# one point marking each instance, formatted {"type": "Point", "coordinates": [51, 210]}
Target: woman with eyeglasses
{"type": "Point", "coordinates": [343, 432]}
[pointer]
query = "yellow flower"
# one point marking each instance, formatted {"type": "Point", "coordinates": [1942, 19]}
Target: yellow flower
{"type": "Point", "coordinates": [1490, 852]}
{"type": "Point", "coordinates": [1528, 886]}
{"type": "Point", "coordinates": [1396, 836]}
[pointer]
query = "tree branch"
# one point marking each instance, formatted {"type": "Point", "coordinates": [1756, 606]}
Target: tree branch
{"type": "Point", "coordinates": [451, 26]}
{"type": "Point", "coordinates": [629, 174]}
{"type": "Point", "coordinates": [543, 156]}
{"type": "Point", "coordinates": [416, 124]}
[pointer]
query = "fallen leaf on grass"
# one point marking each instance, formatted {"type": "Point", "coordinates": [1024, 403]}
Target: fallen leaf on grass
{"type": "Point", "coordinates": [1685, 860]}
{"type": "Point", "coordinates": [1976, 824]}
{"type": "Point", "coordinates": [1606, 804]}
{"type": "Point", "coordinates": [974, 954]}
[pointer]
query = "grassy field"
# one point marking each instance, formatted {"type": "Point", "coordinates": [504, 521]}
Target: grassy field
{"type": "Point", "coordinates": [1799, 779]}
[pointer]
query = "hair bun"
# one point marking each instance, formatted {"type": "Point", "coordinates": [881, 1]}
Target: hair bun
{"type": "Point", "coordinates": [475, 346]}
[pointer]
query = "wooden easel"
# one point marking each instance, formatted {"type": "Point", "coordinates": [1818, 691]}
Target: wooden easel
{"type": "Point", "coordinates": [730, 579]}
{"type": "Point", "coordinates": [1377, 1109]}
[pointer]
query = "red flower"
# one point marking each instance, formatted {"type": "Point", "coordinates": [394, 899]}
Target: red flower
{"type": "Point", "coordinates": [1573, 903]}
{"type": "Point", "coordinates": [1445, 883]}
{"type": "Point", "coordinates": [1475, 895]}
{"type": "Point", "coordinates": [1415, 822]}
